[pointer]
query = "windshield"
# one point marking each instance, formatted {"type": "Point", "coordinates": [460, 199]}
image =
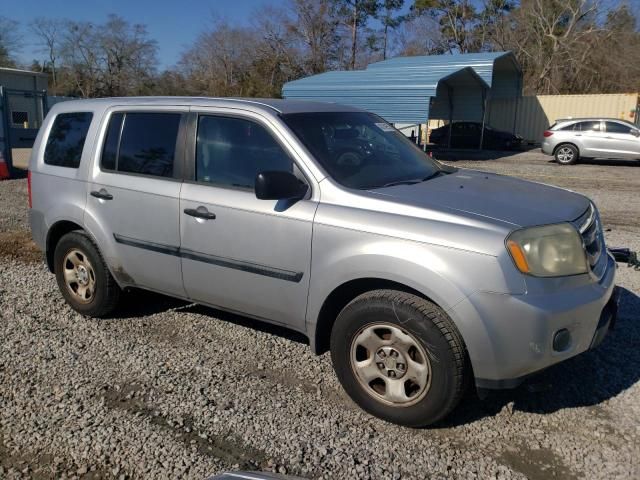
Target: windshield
{"type": "Point", "coordinates": [360, 150]}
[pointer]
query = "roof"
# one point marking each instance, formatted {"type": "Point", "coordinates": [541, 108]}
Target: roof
{"type": "Point", "coordinates": [271, 105]}
{"type": "Point", "coordinates": [16, 71]}
{"type": "Point", "coordinates": [582, 119]}
{"type": "Point", "coordinates": [399, 97]}
{"type": "Point", "coordinates": [481, 63]}
{"type": "Point", "coordinates": [400, 89]}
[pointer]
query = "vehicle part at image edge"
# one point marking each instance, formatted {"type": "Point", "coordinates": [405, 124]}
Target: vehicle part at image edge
{"type": "Point", "coordinates": [414, 328]}
{"type": "Point", "coordinates": [83, 277]}
{"type": "Point", "coordinates": [625, 255]}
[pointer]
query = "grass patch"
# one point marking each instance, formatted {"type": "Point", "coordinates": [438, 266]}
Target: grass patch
{"type": "Point", "coordinates": [18, 245]}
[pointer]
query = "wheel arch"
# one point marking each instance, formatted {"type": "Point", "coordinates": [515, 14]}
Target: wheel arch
{"type": "Point", "coordinates": [341, 296]}
{"type": "Point", "coordinates": [54, 234]}
{"type": "Point", "coordinates": [60, 229]}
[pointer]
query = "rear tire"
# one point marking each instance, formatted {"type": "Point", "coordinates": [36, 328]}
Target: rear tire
{"type": "Point", "coordinates": [566, 154]}
{"type": "Point", "coordinates": [83, 277]}
{"type": "Point", "coordinates": [399, 357]}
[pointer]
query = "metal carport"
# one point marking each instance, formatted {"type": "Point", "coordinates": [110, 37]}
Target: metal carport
{"type": "Point", "coordinates": [412, 90]}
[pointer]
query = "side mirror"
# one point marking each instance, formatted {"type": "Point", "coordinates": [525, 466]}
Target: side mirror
{"type": "Point", "coordinates": [279, 186]}
{"type": "Point", "coordinates": [635, 133]}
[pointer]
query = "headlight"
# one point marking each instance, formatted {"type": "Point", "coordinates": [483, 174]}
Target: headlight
{"type": "Point", "coordinates": [548, 251]}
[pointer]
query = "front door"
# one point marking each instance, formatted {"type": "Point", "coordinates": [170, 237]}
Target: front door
{"type": "Point", "coordinates": [240, 253]}
{"type": "Point", "coordinates": [134, 197]}
{"type": "Point", "coordinates": [622, 140]}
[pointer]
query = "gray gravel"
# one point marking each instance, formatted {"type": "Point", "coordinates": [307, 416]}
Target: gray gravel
{"type": "Point", "coordinates": [167, 389]}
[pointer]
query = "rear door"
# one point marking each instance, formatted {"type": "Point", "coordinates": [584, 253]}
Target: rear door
{"type": "Point", "coordinates": [241, 253]}
{"type": "Point", "coordinates": [621, 142]}
{"type": "Point", "coordinates": [590, 136]}
{"type": "Point", "coordinates": [134, 196]}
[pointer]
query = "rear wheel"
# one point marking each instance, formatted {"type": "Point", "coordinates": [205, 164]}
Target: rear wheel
{"type": "Point", "coordinates": [566, 154]}
{"type": "Point", "coordinates": [83, 277]}
{"type": "Point", "coordinates": [399, 357]}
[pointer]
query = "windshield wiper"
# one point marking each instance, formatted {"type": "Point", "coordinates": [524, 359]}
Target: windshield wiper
{"type": "Point", "coordinates": [433, 175]}
{"type": "Point", "coordinates": [412, 181]}
{"type": "Point", "coordinates": [409, 181]}
{"type": "Point", "coordinates": [402, 182]}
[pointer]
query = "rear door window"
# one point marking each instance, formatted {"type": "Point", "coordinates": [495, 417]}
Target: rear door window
{"type": "Point", "coordinates": [141, 143]}
{"type": "Point", "coordinates": [591, 126]}
{"type": "Point", "coordinates": [615, 127]}
{"type": "Point", "coordinates": [66, 139]}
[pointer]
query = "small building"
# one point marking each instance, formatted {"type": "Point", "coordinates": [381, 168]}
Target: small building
{"type": "Point", "coordinates": [23, 105]}
{"type": "Point", "coordinates": [410, 91]}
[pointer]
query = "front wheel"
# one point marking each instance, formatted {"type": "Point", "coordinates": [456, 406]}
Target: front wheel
{"type": "Point", "coordinates": [83, 277]}
{"type": "Point", "coordinates": [566, 154]}
{"type": "Point", "coordinates": [399, 357]}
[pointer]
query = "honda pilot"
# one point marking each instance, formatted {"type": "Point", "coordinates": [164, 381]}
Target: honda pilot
{"type": "Point", "coordinates": [419, 278]}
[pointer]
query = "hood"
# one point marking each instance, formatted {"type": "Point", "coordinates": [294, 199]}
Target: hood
{"type": "Point", "coordinates": [506, 199]}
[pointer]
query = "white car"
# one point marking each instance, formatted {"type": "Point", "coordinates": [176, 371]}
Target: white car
{"type": "Point", "coordinates": [569, 140]}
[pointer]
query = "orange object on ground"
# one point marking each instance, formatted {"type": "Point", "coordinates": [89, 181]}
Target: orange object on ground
{"type": "Point", "coordinates": [4, 169]}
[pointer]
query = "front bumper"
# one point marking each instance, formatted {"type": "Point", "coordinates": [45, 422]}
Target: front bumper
{"type": "Point", "coordinates": [510, 337]}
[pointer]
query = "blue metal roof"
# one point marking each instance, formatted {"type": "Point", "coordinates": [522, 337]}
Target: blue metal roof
{"type": "Point", "coordinates": [398, 89]}
{"type": "Point", "coordinates": [398, 98]}
{"type": "Point", "coordinates": [482, 63]}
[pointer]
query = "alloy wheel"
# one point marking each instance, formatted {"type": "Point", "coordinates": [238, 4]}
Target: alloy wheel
{"type": "Point", "coordinates": [565, 155]}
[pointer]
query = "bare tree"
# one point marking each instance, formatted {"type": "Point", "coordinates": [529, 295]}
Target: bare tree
{"type": "Point", "coordinates": [457, 20]}
{"type": "Point", "coordinates": [116, 58]}
{"type": "Point", "coordinates": [219, 60]}
{"type": "Point", "coordinates": [552, 37]}
{"type": "Point", "coordinates": [314, 24]}
{"type": "Point", "coordinates": [79, 51]}
{"type": "Point", "coordinates": [49, 32]}
{"type": "Point", "coordinates": [127, 56]}
{"type": "Point", "coordinates": [419, 35]}
{"type": "Point", "coordinates": [10, 38]}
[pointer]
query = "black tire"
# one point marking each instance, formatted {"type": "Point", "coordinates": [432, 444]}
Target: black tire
{"type": "Point", "coordinates": [106, 292]}
{"type": "Point", "coordinates": [426, 323]}
{"type": "Point", "coordinates": [566, 154]}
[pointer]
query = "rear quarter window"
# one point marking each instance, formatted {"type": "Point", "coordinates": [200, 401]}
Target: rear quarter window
{"type": "Point", "coordinates": [66, 139]}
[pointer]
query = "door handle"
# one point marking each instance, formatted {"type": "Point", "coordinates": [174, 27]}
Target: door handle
{"type": "Point", "coordinates": [102, 194]}
{"type": "Point", "coordinates": [200, 212]}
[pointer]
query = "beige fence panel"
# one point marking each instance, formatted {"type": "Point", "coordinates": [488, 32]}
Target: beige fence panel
{"type": "Point", "coordinates": [532, 115]}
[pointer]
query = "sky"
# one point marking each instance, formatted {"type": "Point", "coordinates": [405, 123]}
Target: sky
{"type": "Point", "coordinates": [174, 24]}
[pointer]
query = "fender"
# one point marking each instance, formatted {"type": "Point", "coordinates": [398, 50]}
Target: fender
{"type": "Point", "coordinates": [445, 276]}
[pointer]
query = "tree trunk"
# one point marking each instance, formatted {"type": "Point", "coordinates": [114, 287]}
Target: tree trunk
{"type": "Point", "coordinates": [54, 77]}
{"type": "Point", "coordinates": [354, 35]}
{"type": "Point", "coordinates": [384, 42]}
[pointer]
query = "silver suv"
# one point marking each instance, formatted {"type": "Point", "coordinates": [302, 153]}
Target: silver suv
{"type": "Point", "coordinates": [569, 140]}
{"type": "Point", "coordinates": [418, 277]}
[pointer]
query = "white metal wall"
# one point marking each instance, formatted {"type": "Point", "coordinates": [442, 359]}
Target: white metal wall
{"type": "Point", "coordinates": [530, 116]}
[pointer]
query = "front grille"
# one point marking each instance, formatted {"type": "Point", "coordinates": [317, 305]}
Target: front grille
{"type": "Point", "coordinates": [589, 226]}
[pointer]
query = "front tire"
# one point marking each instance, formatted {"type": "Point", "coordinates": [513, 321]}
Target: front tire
{"type": "Point", "coordinates": [399, 357]}
{"type": "Point", "coordinates": [566, 154]}
{"type": "Point", "coordinates": [83, 277]}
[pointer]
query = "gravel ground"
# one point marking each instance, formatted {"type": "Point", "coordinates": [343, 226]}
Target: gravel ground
{"type": "Point", "coordinates": [167, 389]}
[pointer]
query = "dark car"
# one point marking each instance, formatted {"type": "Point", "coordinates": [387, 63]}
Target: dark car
{"type": "Point", "coordinates": [467, 135]}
